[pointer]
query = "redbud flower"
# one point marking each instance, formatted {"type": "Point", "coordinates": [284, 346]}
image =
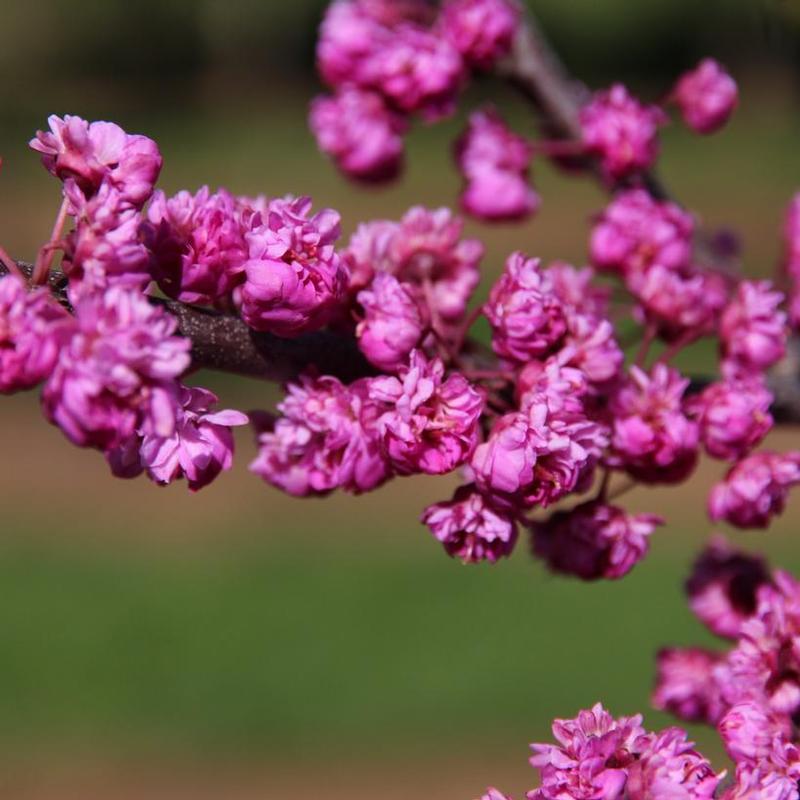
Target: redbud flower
{"type": "Point", "coordinates": [775, 777]}
{"type": "Point", "coordinates": [733, 415]}
{"type": "Point", "coordinates": [97, 152]}
{"type": "Point", "coordinates": [592, 758]}
{"type": "Point", "coordinates": [295, 281]}
{"type": "Point", "coordinates": [470, 528]}
{"type": "Point", "coordinates": [752, 329]}
{"type": "Point", "coordinates": [591, 346]}
{"type": "Point", "coordinates": [369, 251]}
{"type": "Point", "coordinates": [706, 96]}
{"type": "Point", "coordinates": [576, 289]}
{"type": "Point", "coordinates": [621, 131]}
{"type": "Point", "coordinates": [526, 316]}
{"type": "Point", "coordinates": [593, 540]}
{"type": "Point", "coordinates": [431, 424]}
{"type": "Point", "coordinates": [636, 231]}
{"type": "Point", "coordinates": [748, 730]}
{"type": "Point", "coordinates": [723, 587]}
{"type": "Point", "coordinates": [495, 163]}
{"type": "Point", "coordinates": [563, 388]}
{"type": "Point", "coordinates": [32, 329]}
{"type": "Point", "coordinates": [200, 447]}
{"type": "Point", "coordinates": [327, 438]}
{"type": "Point", "coordinates": [197, 244]}
{"type": "Point", "coordinates": [360, 133]}
{"type": "Point", "coordinates": [393, 324]}
{"type": "Point", "coordinates": [481, 30]}
{"type": "Point", "coordinates": [755, 489]}
{"type": "Point", "coordinates": [116, 376]}
{"type": "Point", "coordinates": [685, 685]}
{"type": "Point", "coordinates": [652, 438]}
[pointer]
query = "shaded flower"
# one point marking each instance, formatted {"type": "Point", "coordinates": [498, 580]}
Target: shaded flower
{"type": "Point", "coordinates": [685, 684]}
{"type": "Point", "coordinates": [481, 30]}
{"type": "Point", "coordinates": [706, 96]}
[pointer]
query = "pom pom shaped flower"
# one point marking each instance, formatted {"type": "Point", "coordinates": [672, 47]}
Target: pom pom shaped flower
{"type": "Point", "coordinates": [91, 154]}
{"type": "Point", "coordinates": [733, 415]}
{"type": "Point", "coordinates": [575, 288]}
{"type": "Point", "coordinates": [685, 685]}
{"type": "Point", "coordinates": [393, 324]}
{"type": "Point", "coordinates": [528, 319]}
{"type": "Point", "coordinates": [470, 528]}
{"type": "Point", "coordinates": [360, 133]}
{"type": "Point", "coordinates": [592, 347]}
{"type": "Point", "coordinates": [592, 758]}
{"type": "Point", "coordinates": [431, 423]}
{"type": "Point", "coordinates": [774, 777]}
{"type": "Point", "coordinates": [369, 252]}
{"type": "Point", "coordinates": [116, 376]}
{"type": "Point", "coordinates": [723, 587]}
{"type": "Point", "coordinates": [753, 329]}
{"type": "Point", "coordinates": [755, 490]}
{"type": "Point", "coordinates": [635, 231]}
{"type": "Point", "coordinates": [197, 244]}
{"type": "Point", "coordinates": [33, 327]}
{"type": "Point", "coordinates": [593, 540]}
{"type": "Point", "coordinates": [294, 280]}
{"type": "Point", "coordinates": [706, 96]}
{"type": "Point", "coordinates": [748, 731]}
{"type": "Point", "coordinates": [621, 131]}
{"type": "Point", "coordinates": [495, 163]}
{"type": "Point", "coordinates": [481, 30]}
{"type": "Point", "coordinates": [326, 438]}
{"type": "Point", "coordinates": [652, 438]}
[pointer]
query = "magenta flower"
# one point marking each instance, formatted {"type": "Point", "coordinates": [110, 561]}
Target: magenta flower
{"type": "Point", "coordinates": [593, 540]}
{"type": "Point", "coordinates": [752, 328]}
{"type": "Point", "coordinates": [495, 163]}
{"type": "Point", "coordinates": [481, 30]}
{"type": "Point", "coordinates": [33, 327]}
{"type": "Point", "coordinates": [470, 528]}
{"type": "Point", "coordinates": [576, 289]}
{"type": "Point", "coordinates": [431, 422]}
{"type": "Point", "coordinates": [733, 416]}
{"type": "Point", "coordinates": [635, 231]}
{"type": "Point", "coordinates": [91, 154]}
{"type": "Point", "coordinates": [295, 281]}
{"type": "Point", "coordinates": [528, 320]}
{"type": "Point", "coordinates": [755, 490]}
{"type": "Point", "coordinates": [706, 96]}
{"type": "Point", "coordinates": [197, 244]}
{"type": "Point", "coordinates": [360, 133]}
{"type": "Point", "coordinates": [723, 587]}
{"type": "Point", "coordinates": [369, 252]}
{"type": "Point", "coordinates": [748, 731]}
{"type": "Point", "coordinates": [116, 376]}
{"type": "Point", "coordinates": [326, 438]}
{"type": "Point", "coordinates": [685, 684]}
{"type": "Point", "coordinates": [652, 438]}
{"type": "Point", "coordinates": [393, 324]}
{"type": "Point", "coordinates": [592, 347]}
{"type": "Point", "coordinates": [621, 132]}
{"type": "Point", "coordinates": [775, 777]}
{"type": "Point", "coordinates": [591, 759]}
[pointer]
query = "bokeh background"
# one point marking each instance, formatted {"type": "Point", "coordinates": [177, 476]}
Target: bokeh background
{"type": "Point", "coordinates": [240, 644]}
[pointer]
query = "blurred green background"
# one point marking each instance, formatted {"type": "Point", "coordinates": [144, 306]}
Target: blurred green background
{"type": "Point", "coordinates": [241, 644]}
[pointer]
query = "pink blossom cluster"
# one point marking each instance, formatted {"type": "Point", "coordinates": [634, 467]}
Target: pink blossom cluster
{"type": "Point", "coordinates": [706, 96]}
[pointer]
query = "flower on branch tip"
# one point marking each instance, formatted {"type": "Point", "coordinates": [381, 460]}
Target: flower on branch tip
{"type": "Point", "coordinates": [481, 30]}
{"type": "Point", "coordinates": [707, 96]}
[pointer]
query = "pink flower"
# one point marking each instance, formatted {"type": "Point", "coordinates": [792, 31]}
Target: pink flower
{"type": "Point", "coordinates": [755, 489]}
{"type": "Point", "coordinates": [652, 438]}
{"type": "Point", "coordinates": [481, 30]}
{"type": "Point", "coordinates": [591, 346]}
{"type": "Point", "coordinates": [327, 438]}
{"type": "Point", "coordinates": [593, 540]}
{"type": "Point", "coordinates": [470, 528]}
{"type": "Point", "coordinates": [494, 794]}
{"type": "Point", "coordinates": [393, 324]}
{"type": "Point", "coordinates": [33, 327]}
{"type": "Point", "coordinates": [295, 281]}
{"type": "Point", "coordinates": [116, 376]}
{"type": "Point", "coordinates": [685, 685]}
{"type": "Point", "coordinates": [636, 231]}
{"type": "Point", "coordinates": [773, 778]}
{"type": "Point", "coordinates": [91, 154]}
{"type": "Point", "coordinates": [575, 288]}
{"type": "Point", "coordinates": [706, 96]}
{"type": "Point", "coordinates": [748, 730]}
{"type": "Point", "coordinates": [733, 415]}
{"type": "Point", "coordinates": [752, 329]}
{"type": "Point", "coordinates": [369, 251]}
{"type": "Point", "coordinates": [528, 320]}
{"type": "Point", "coordinates": [495, 163]}
{"type": "Point", "coordinates": [431, 423]}
{"type": "Point", "coordinates": [723, 587]}
{"type": "Point", "coordinates": [621, 131]}
{"type": "Point", "coordinates": [592, 758]}
{"type": "Point", "coordinates": [200, 447]}
{"type": "Point", "coordinates": [362, 135]}
{"type": "Point", "coordinates": [197, 244]}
